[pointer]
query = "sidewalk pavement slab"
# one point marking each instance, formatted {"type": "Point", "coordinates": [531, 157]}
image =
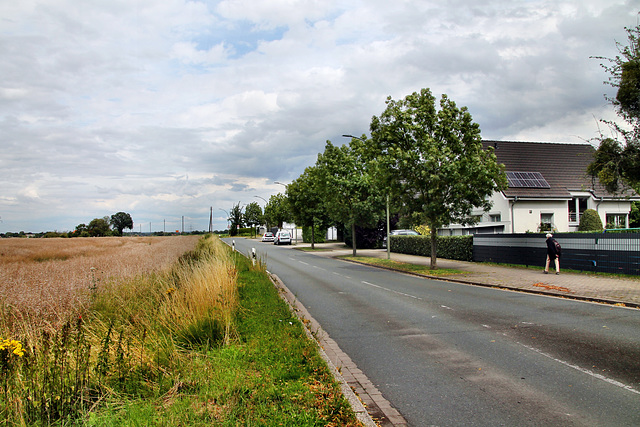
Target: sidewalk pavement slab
{"type": "Point", "coordinates": [582, 286]}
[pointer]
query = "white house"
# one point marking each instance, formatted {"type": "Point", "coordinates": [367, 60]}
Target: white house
{"type": "Point", "coordinates": [549, 189]}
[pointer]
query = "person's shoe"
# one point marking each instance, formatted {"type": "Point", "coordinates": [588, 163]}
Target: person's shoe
{"type": "Point", "coordinates": [557, 273]}
{"type": "Point", "coordinates": [546, 272]}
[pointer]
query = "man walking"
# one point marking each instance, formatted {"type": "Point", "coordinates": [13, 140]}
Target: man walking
{"type": "Point", "coordinates": [553, 253]}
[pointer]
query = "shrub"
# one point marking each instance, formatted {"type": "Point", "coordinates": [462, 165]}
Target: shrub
{"type": "Point", "coordinates": [590, 221]}
{"type": "Point", "coordinates": [449, 247]}
{"type": "Point", "coordinates": [318, 235]}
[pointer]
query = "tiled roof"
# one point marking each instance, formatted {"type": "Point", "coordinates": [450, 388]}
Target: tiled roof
{"type": "Point", "coordinates": [564, 166]}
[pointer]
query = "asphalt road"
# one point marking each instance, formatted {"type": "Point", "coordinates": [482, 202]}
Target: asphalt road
{"type": "Point", "coordinates": [451, 354]}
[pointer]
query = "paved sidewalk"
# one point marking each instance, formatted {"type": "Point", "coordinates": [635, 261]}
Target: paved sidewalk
{"type": "Point", "coordinates": [589, 287]}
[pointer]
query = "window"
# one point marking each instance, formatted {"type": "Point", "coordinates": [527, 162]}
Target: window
{"type": "Point", "coordinates": [616, 221]}
{"type": "Point", "coordinates": [495, 218]}
{"type": "Point", "coordinates": [546, 222]}
{"type": "Point", "coordinates": [577, 206]}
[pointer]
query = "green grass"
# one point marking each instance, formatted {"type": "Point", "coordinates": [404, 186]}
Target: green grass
{"type": "Point", "coordinates": [269, 374]}
{"type": "Point", "coordinates": [402, 266]}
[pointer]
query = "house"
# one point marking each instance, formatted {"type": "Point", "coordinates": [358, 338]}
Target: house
{"type": "Point", "coordinates": [548, 189]}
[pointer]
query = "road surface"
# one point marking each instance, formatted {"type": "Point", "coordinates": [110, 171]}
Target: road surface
{"type": "Point", "coordinates": [452, 354]}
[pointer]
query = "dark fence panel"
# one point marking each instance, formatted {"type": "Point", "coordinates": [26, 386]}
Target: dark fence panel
{"type": "Point", "coordinates": [598, 252]}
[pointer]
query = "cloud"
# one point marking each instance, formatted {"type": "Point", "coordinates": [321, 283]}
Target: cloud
{"type": "Point", "coordinates": [165, 110]}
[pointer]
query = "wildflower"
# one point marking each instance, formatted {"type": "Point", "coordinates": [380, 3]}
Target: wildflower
{"type": "Point", "coordinates": [13, 346]}
{"type": "Point", "coordinates": [170, 291]}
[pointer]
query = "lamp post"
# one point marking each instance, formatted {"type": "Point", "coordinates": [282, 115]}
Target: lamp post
{"type": "Point", "coordinates": [227, 216]}
{"type": "Point", "coordinates": [388, 226]}
{"type": "Point", "coordinates": [265, 205]}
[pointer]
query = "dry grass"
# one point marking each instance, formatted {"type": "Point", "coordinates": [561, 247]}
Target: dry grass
{"type": "Point", "coordinates": [47, 279]}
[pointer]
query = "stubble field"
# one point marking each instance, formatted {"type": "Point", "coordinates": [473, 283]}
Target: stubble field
{"type": "Point", "coordinates": [47, 279]}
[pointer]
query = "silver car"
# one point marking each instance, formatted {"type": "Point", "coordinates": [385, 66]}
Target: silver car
{"type": "Point", "coordinates": [282, 238]}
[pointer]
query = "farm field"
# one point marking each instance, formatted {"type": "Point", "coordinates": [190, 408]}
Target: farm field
{"type": "Point", "coordinates": [48, 279]}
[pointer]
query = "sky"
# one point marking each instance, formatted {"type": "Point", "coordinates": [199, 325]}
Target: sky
{"type": "Point", "coordinates": [175, 109]}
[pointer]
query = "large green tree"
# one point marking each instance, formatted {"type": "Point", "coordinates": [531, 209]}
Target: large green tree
{"type": "Point", "coordinates": [306, 201]}
{"type": "Point", "coordinates": [277, 211]}
{"type": "Point", "coordinates": [99, 227]}
{"type": "Point", "coordinates": [433, 161]}
{"type": "Point", "coordinates": [349, 190]}
{"type": "Point", "coordinates": [617, 160]}
{"type": "Point", "coordinates": [236, 218]}
{"type": "Point", "coordinates": [120, 221]}
{"type": "Point", "coordinates": [253, 214]}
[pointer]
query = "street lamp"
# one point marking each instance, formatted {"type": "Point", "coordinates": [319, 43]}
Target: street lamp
{"type": "Point", "coordinates": [388, 239]}
{"type": "Point", "coordinates": [265, 218]}
{"type": "Point", "coordinates": [227, 216]}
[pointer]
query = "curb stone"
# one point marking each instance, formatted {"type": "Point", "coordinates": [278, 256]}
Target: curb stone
{"type": "Point", "coordinates": [357, 389]}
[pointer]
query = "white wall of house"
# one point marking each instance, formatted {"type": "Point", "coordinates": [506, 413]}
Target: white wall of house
{"type": "Point", "coordinates": [522, 216]}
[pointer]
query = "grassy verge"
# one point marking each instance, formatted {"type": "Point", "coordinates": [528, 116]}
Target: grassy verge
{"type": "Point", "coordinates": [207, 342]}
{"type": "Point", "coordinates": [403, 266]}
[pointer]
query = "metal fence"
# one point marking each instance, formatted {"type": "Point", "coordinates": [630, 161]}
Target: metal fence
{"type": "Point", "coordinates": [598, 252]}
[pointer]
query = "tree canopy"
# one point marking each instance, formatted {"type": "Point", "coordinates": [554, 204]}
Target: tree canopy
{"type": "Point", "coordinates": [120, 221]}
{"type": "Point", "coordinates": [253, 214]}
{"type": "Point", "coordinates": [433, 161]}
{"type": "Point", "coordinates": [352, 196]}
{"type": "Point", "coordinates": [277, 211]}
{"type": "Point", "coordinates": [617, 160]}
{"type": "Point", "coordinates": [236, 218]}
{"type": "Point", "coordinates": [306, 201]}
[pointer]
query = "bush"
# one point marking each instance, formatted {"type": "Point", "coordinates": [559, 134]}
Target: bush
{"type": "Point", "coordinates": [590, 221]}
{"type": "Point", "coordinates": [318, 235]}
{"type": "Point", "coordinates": [449, 247]}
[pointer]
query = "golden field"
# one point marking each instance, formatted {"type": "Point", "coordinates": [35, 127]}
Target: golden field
{"type": "Point", "coordinates": [47, 279]}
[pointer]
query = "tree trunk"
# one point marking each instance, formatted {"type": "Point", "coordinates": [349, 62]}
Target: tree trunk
{"type": "Point", "coordinates": [353, 237]}
{"type": "Point", "coordinates": [434, 235]}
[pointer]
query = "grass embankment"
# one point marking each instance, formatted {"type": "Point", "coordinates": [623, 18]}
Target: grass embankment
{"type": "Point", "coordinates": [402, 266]}
{"type": "Point", "coordinates": [206, 342]}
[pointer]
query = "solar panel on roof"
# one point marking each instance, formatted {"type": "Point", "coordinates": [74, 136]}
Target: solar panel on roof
{"type": "Point", "coordinates": [527, 180]}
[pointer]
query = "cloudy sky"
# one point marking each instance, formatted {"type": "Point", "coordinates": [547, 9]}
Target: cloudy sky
{"type": "Point", "coordinates": [165, 109]}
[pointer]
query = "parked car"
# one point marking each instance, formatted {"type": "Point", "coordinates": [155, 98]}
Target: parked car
{"type": "Point", "coordinates": [399, 233]}
{"type": "Point", "coordinates": [282, 238]}
{"type": "Point", "coordinates": [268, 237]}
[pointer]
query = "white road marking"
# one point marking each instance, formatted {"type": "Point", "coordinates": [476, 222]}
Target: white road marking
{"type": "Point", "coordinates": [302, 262]}
{"type": "Point", "coordinates": [583, 370]}
{"type": "Point", "coordinates": [391, 290]}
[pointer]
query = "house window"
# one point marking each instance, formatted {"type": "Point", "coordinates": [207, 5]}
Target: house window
{"type": "Point", "coordinates": [495, 218]}
{"type": "Point", "coordinates": [546, 222]}
{"type": "Point", "coordinates": [577, 206]}
{"type": "Point", "coordinates": [616, 221]}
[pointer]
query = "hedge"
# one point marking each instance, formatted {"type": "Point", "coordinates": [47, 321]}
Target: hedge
{"type": "Point", "coordinates": [448, 247]}
{"type": "Point", "coordinates": [318, 235]}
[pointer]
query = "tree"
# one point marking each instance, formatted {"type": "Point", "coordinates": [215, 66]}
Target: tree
{"type": "Point", "coordinates": [277, 211]}
{"type": "Point", "coordinates": [306, 201]}
{"type": "Point", "coordinates": [617, 161]}
{"type": "Point", "coordinates": [236, 218]}
{"type": "Point", "coordinates": [253, 214]}
{"type": "Point", "coordinates": [350, 192]}
{"type": "Point", "coordinates": [81, 231]}
{"type": "Point", "coordinates": [433, 161]}
{"type": "Point", "coordinates": [590, 221]}
{"type": "Point", "coordinates": [99, 227]}
{"type": "Point", "coordinates": [120, 221]}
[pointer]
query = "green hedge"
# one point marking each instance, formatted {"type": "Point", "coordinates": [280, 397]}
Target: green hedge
{"type": "Point", "coordinates": [449, 247]}
{"type": "Point", "coordinates": [318, 235]}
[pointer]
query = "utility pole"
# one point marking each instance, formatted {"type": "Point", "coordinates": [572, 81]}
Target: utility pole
{"type": "Point", "coordinates": [211, 220]}
{"type": "Point", "coordinates": [182, 224]}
